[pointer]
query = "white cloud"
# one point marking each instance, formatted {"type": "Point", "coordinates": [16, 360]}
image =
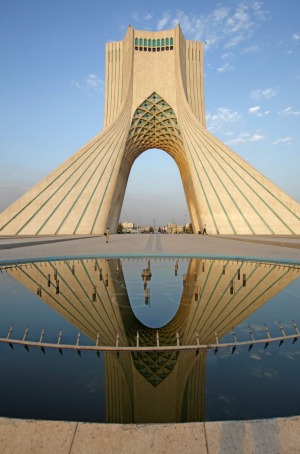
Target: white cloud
{"type": "Point", "coordinates": [250, 49]}
{"type": "Point", "coordinates": [245, 137]}
{"type": "Point", "coordinates": [92, 84]}
{"type": "Point", "coordinates": [256, 94]}
{"type": "Point", "coordinates": [236, 141]}
{"type": "Point", "coordinates": [235, 41]}
{"type": "Point", "coordinates": [137, 16]}
{"type": "Point", "coordinates": [240, 20]}
{"type": "Point", "coordinates": [257, 138]}
{"type": "Point", "coordinates": [296, 36]}
{"type": "Point", "coordinates": [226, 25]}
{"type": "Point", "coordinates": [283, 141]}
{"type": "Point", "coordinates": [95, 83]}
{"type": "Point", "coordinates": [224, 68]}
{"type": "Point", "coordinates": [220, 13]}
{"type": "Point", "coordinates": [266, 93]}
{"type": "Point", "coordinates": [227, 55]}
{"type": "Point", "coordinates": [163, 21]}
{"type": "Point", "coordinates": [259, 11]}
{"type": "Point", "coordinates": [222, 118]}
{"type": "Point", "coordinates": [254, 110]}
{"type": "Point", "coordinates": [76, 84]}
{"type": "Point", "coordinates": [288, 111]}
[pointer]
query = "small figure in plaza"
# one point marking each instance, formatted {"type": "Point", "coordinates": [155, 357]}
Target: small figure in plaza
{"type": "Point", "coordinates": [107, 234]}
{"type": "Point", "coordinates": [204, 230]}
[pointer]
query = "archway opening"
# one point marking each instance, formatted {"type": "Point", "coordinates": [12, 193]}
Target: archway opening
{"type": "Point", "coordinates": [154, 194]}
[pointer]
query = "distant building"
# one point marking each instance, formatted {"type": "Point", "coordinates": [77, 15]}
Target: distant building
{"type": "Point", "coordinates": [128, 226]}
{"type": "Point", "coordinates": [175, 228]}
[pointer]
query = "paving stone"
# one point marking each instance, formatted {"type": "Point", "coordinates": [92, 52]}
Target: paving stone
{"type": "Point", "coordinates": [19, 436]}
{"type": "Point", "coordinates": [139, 439]}
{"type": "Point", "coordinates": [272, 436]}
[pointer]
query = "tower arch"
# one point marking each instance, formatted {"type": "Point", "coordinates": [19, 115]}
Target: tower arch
{"type": "Point", "coordinates": [154, 125]}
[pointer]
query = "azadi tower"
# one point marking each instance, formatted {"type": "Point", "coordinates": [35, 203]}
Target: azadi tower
{"type": "Point", "coordinates": [154, 99]}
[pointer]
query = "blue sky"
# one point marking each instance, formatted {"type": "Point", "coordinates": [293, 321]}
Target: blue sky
{"type": "Point", "coordinates": [52, 89]}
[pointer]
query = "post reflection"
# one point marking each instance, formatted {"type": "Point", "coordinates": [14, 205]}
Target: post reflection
{"type": "Point", "coordinates": [217, 295]}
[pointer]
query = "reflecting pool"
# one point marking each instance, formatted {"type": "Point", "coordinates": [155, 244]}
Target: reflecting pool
{"type": "Point", "coordinates": [165, 302]}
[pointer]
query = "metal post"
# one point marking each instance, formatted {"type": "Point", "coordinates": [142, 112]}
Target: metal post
{"type": "Point", "coordinates": [42, 335]}
{"type": "Point", "coordinates": [10, 331]}
{"type": "Point", "coordinates": [267, 331]}
{"type": "Point", "coordinates": [297, 331]}
{"type": "Point", "coordinates": [25, 333]}
{"type": "Point", "coordinates": [177, 338]}
{"type": "Point", "coordinates": [59, 336]}
{"type": "Point", "coordinates": [281, 329]}
{"type": "Point", "coordinates": [296, 327]}
{"type": "Point", "coordinates": [157, 339]}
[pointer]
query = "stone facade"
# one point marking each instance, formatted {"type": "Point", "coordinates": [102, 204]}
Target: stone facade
{"type": "Point", "coordinates": [154, 99]}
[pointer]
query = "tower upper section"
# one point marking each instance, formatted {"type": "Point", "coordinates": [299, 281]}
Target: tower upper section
{"type": "Point", "coordinates": [146, 62]}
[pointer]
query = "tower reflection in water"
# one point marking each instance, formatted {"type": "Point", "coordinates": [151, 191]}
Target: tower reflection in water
{"type": "Point", "coordinates": [217, 295]}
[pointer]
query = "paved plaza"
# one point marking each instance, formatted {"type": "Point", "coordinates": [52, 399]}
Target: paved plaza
{"type": "Point", "coordinates": [272, 436]}
{"type": "Point", "coordinates": [261, 247]}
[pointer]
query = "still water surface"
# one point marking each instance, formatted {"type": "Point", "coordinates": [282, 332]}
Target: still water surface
{"type": "Point", "coordinates": [104, 297]}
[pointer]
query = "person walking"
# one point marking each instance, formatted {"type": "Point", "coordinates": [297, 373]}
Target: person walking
{"type": "Point", "coordinates": [107, 234]}
{"type": "Point", "coordinates": [204, 230]}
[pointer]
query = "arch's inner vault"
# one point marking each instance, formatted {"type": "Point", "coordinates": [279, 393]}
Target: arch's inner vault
{"type": "Point", "coordinates": [154, 125]}
{"type": "Point", "coordinates": [154, 99]}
